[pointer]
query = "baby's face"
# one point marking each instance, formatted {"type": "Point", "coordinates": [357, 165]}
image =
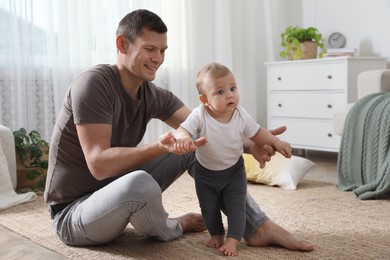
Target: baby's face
{"type": "Point", "coordinates": [222, 93]}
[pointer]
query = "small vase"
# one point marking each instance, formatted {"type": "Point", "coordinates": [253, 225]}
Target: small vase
{"type": "Point", "coordinates": [309, 50]}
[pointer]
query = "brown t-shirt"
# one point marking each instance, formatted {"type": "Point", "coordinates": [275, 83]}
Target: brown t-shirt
{"type": "Point", "coordinates": [97, 96]}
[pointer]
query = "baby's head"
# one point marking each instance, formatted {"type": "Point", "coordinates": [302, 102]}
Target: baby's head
{"type": "Point", "coordinates": [217, 88]}
{"type": "Point", "coordinates": [208, 74]}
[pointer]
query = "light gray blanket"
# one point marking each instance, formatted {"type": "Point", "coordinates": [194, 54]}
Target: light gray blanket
{"type": "Point", "coordinates": [364, 156]}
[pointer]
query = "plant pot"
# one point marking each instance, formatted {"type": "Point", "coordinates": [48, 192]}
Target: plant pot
{"type": "Point", "coordinates": [31, 178]}
{"type": "Point", "coordinates": [309, 50]}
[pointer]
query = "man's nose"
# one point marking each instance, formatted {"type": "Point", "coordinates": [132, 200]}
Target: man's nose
{"type": "Point", "coordinates": [158, 57]}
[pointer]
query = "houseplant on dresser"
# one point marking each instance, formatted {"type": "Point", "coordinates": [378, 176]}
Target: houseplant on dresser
{"type": "Point", "coordinates": [31, 159]}
{"type": "Point", "coordinates": [300, 43]}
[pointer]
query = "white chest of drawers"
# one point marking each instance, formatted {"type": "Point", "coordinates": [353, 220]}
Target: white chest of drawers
{"type": "Point", "coordinates": [303, 95]}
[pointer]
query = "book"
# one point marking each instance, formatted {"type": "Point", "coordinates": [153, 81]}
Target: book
{"type": "Point", "coordinates": [340, 52]}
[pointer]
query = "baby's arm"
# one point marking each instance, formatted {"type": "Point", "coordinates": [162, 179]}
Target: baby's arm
{"type": "Point", "coordinates": [263, 136]}
{"type": "Point", "coordinates": [284, 148]}
{"type": "Point", "coordinates": [184, 142]}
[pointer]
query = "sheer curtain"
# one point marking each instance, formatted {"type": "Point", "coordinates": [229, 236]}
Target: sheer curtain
{"type": "Point", "coordinates": [49, 42]}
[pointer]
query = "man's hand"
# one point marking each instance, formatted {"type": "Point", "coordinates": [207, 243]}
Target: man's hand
{"type": "Point", "coordinates": [167, 141]}
{"type": "Point", "coordinates": [264, 153]}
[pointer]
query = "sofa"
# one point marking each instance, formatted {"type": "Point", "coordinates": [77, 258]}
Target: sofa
{"type": "Point", "coordinates": [369, 82]}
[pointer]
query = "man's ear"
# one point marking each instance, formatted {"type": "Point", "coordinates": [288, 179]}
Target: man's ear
{"type": "Point", "coordinates": [202, 98]}
{"type": "Point", "coordinates": [121, 43]}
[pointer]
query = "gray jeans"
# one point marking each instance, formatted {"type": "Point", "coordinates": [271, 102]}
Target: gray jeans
{"type": "Point", "coordinates": [135, 198]}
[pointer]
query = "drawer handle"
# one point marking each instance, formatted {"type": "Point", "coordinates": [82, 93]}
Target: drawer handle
{"type": "Point", "coordinates": [330, 135]}
{"type": "Point", "coordinates": [329, 76]}
{"type": "Point", "coordinates": [329, 106]}
{"type": "Point", "coordinates": [279, 105]}
{"type": "Point", "coordinates": [279, 78]}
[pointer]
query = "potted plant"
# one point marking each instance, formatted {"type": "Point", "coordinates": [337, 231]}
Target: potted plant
{"type": "Point", "coordinates": [301, 43]}
{"type": "Point", "coordinates": [31, 158]}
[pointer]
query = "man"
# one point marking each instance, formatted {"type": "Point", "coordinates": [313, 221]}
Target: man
{"type": "Point", "coordinates": [99, 180]}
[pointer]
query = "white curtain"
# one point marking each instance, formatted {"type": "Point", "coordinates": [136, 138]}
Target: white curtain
{"type": "Point", "coordinates": [44, 44]}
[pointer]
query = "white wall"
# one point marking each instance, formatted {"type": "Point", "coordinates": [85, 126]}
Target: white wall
{"type": "Point", "coordinates": [364, 23]}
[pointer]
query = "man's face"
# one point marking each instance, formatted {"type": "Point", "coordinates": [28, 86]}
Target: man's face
{"type": "Point", "coordinates": [146, 54]}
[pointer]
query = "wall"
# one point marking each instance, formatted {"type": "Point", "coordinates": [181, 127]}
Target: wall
{"type": "Point", "coordinates": [364, 23]}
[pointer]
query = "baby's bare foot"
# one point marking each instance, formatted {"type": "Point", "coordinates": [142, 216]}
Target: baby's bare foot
{"type": "Point", "coordinates": [230, 247]}
{"type": "Point", "coordinates": [192, 222]}
{"type": "Point", "coordinates": [215, 242]}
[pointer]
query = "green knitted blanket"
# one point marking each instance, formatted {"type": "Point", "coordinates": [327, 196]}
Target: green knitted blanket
{"type": "Point", "coordinates": [364, 156]}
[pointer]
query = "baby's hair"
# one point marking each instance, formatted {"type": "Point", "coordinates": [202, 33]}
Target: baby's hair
{"type": "Point", "coordinates": [212, 70]}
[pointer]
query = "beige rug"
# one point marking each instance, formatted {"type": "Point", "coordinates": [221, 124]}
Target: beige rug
{"type": "Point", "coordinates": [341, 225]}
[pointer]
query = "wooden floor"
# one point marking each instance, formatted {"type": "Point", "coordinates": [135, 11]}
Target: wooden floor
{"type": "Point", "coordinates": [14, 246]}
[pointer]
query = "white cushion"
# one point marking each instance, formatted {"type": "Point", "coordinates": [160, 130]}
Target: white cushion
{"type": "Point", "coordinates": [8, 196]}
{"type": "Point", "coordinates": [373, 81]}
{"type": "Point", "coordinates": [279, 171]}
{"type": "Point", "coordinates": [8, 145]}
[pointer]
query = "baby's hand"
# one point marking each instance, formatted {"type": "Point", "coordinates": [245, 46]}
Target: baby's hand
{"type": "Point", "coordinates": [284, 148]}
{"type": "Point", "coordinates": [184, 144]}
{"type": "Point", "coordinates": [181, 145]}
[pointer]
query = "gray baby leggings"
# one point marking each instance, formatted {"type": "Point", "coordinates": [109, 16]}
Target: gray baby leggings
{"type": "Point", "coordinates": [222, 190]}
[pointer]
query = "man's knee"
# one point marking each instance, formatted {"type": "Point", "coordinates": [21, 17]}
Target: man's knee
{"type": "Point", "coordinates": [140, 185]}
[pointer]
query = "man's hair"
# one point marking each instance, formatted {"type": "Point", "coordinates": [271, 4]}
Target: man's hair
{"type": "Point", "coordinates": [133, 24]}
{"type": "Point", "coordinates": [210, 71]}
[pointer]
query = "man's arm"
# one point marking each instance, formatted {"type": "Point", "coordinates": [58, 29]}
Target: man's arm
{"type": "Point", "coordinates": [105, 161]}
{"type": "Point", "coordinates": [178, 117]}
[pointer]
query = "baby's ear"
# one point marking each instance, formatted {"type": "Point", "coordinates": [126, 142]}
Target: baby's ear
{"type": "Point", "coordinates": [202, 98]}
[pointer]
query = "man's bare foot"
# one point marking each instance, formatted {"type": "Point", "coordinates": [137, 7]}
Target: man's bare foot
{"type": "Point", "coordinates": [230, 247]}
{"type": "Point", "coordinates": [192, 222]}
{"type": "Point", "coordinates": [272, 234]}
{"type": "Point", "coordinates": [215, 242]}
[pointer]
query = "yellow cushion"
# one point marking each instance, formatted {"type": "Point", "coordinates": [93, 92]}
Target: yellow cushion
{"type": "Point", "coordinates": [280, 171]}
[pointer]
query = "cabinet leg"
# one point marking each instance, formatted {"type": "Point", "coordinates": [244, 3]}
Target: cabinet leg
{"type": "Point", "coordinates": [301, 152]}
